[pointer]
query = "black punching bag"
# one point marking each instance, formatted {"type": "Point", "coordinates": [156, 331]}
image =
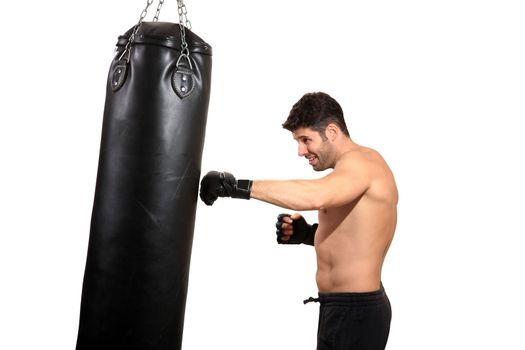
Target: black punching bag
{"type": "Point", "coordinates": [136, 276]}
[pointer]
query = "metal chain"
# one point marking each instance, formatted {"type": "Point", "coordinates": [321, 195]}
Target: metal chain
{"type": "Point", "coordinates": [183, 14]}
{"type": "Point", "coordinates": [183, 24]}
{"type": "Point", "coordinates": [127, 49]}
{"type": "Point", "coordinates": [156, 18]}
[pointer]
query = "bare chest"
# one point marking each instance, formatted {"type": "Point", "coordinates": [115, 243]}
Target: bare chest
{"type": "Point", "coordinates": [332, 219]}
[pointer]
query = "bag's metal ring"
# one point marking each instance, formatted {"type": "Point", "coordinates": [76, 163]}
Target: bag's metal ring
{"type": "Point", "coordinates": [187, 57]}
{"type": "Point", "coordinates": [124, 52]}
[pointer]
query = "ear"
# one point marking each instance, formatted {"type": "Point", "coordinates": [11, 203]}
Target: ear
{"type": "Point", "coordinates": [332, 131]}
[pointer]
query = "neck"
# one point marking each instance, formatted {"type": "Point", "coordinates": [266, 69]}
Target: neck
{"type": "Point", "coordinates": [346, 145]}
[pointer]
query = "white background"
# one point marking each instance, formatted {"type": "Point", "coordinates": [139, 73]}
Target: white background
{"type": "Point", "coordinates": [437, 87]}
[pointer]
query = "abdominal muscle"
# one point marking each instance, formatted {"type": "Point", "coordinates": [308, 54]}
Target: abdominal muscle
{"type": "Point", "coordinates": [351, 247]}
{"type": "Point", "coordinates": [347, 275]}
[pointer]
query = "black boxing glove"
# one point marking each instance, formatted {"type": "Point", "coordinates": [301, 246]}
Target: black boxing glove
{"type": "Point", "coordinates": [302, 232]}
{"type": "Point", "coordinates": [221, 184]}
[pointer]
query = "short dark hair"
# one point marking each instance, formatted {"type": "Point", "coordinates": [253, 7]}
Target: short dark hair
{"type": "Point", "coordinates": [316, 110]}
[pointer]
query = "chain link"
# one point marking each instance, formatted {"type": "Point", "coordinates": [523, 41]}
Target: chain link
{"type": "Point", "coordinates": [183, 14]}
{"type": "Point", "coordinates": [183, 24]}
{"type": "Point", "coordinates": [156, 18]}
{"type": "Point", "coordinates": [127, 49]}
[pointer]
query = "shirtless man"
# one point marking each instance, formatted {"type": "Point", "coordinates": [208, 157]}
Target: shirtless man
{"type": "Point", "coordinates": [356, 206]}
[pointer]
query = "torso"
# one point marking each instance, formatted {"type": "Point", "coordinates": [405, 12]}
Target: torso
{"type": "Point", "coordinates": [351, 241]}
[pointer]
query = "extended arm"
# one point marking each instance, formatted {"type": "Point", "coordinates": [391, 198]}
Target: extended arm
{"type": "Point", "coordinates": [338, 188]}
{"type": "Point", "coordinates": [343, 185]}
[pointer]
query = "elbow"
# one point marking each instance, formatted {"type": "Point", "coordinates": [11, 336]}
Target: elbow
{"type": "Point", "coordinates": [318, 203]}
{"type": "Point", "coordinates": [305, 205]}
{"type": "Point", "coordinates": [320, 197]}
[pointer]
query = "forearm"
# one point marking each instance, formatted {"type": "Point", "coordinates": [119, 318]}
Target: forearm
{"type": "Point", "coordinates": [291, 194]}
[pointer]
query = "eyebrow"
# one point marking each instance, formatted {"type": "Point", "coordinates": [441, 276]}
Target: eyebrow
{"type": "Point", "coordinates": [300, 137]}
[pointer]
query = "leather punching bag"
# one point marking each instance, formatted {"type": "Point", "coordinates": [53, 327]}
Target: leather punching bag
{"type": "Point", "coordinates": [136, 276]}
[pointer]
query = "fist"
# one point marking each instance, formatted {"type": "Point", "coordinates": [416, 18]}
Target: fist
{"type": "Point", "coordinates": [293, 229]}
{"type": "Point", "coordinates": [222, 184]}
{"type": "Point", "coordinates": [284, 227]}
{"type": "Point", "coordinates": [212, 187]}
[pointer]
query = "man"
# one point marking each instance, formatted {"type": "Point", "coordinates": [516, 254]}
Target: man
{"type": "Point", "coordinates": [356, 206]}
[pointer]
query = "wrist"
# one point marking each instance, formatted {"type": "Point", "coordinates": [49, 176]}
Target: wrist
{"type": "Point", "coordinates": [243, 189]}
{"type": "Point", "coordinates": [310, 238]}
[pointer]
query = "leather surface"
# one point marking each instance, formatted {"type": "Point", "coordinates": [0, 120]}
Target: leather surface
{"type": "Point", "coordinates": [136, 276]}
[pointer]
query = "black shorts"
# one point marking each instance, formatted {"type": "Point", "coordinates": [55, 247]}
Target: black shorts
{"type": "Point", "coordinates": [353, 321]}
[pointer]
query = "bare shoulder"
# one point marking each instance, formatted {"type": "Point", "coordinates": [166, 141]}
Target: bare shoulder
{"type": "Point", "coordinates": [370, 165]}
{"type": "Point", "coordinates": [362, 157]}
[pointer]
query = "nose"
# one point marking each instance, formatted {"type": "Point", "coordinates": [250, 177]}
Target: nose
{"type": "Point", "coordinates": [302, 150]}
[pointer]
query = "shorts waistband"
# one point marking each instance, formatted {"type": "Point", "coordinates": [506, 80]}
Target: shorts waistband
{"type": "Point", "coordinates": [351, 297]}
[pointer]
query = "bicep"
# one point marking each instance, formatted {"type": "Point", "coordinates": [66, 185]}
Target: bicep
{"type": "Point", "coordinates": [344, 186]}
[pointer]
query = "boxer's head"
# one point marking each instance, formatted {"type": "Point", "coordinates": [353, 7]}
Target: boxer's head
{"type": "Point", "coordinates": [316, 110]}
{"type": "Point", "coordinates": [315, 121]}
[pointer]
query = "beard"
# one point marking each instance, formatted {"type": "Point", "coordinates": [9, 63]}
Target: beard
{"type": "Point", "coordinates": [323, 157]}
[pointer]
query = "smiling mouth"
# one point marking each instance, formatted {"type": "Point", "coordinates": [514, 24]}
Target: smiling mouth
{"type": "Point", "coordinates": [311, 159]}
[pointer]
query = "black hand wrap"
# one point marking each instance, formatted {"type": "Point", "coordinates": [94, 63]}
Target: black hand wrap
{"type": "Point", "coordinates": [302, 232]}
{"type": "Point", "coordinates": [235, 188]}
{"type": "Point", "coordinates": [222, 184]}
